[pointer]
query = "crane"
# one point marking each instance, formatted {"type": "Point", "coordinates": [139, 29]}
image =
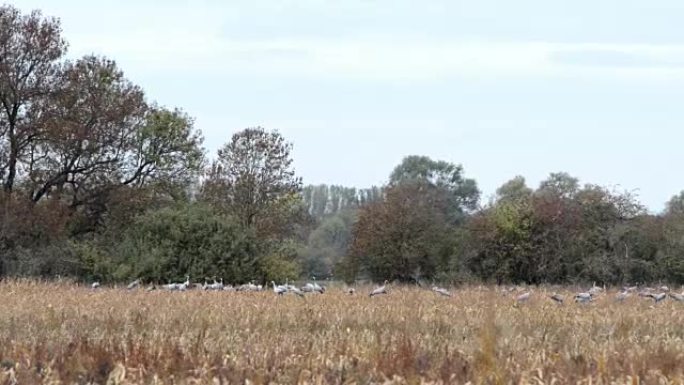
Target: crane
{"type": "Point", "coordinates": [441, 291]}
{"type": "Point", "coordinates": [133, 285]}
{"type": "Point", "coordinates": [584, 297]}
{"type": "Point", "coordinates": [524, 297]}
{"type": "Point", "coordinates": [658, 297]}
{"type": "Point", "coordinates": [559, 299]}
{"type": "Point", "coordinates": [380, 290]}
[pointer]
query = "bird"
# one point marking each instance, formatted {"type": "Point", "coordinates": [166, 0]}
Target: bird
{"type": "Point", "coordinates": [185, 285]}
{"type": "Point", "coordinates": [658, 297]}
{"type": "Point", "coordinates": [218, 286]}
{"type": "Point", "coordinates": [584, 297]}
{"type": "Point", "coordinates": [621, 296]}
{"type": "Point", "coordinates": [441, 291]}
{"type": "Point", "coordinates": [308, 288]}
{"type": "Point", "coordinates": [380, 290]}
{"type": "Point", "coordinates": [249, 287]}
{"type": "Point", "coordinates": [95, 285]}
{"type": "Point", "coordinates": [280, 290]}
{"type": "Point", "coordinates": [595, 289]}
{"type": "Point", "coordinates": [296, 291]}
{"type": "Point", "coordinates": [677, 297]}
{"type": "Point", "coordinates": [171, 286]}
{"type": "Point", "coordinates": [134, 284]}
{"type": "Point", "coordinates": [524, 297]}
{"type": "Point", "coordinates": [317, 287]}
{"type": "Point", "coordinates": [557, 298]}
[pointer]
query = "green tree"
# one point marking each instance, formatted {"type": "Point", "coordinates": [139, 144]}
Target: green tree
{"type": "Point", "coordinates": [168, 243]}
{"type": "Point", "coordinates": [515, 190]}
{"type": "Point", "coordinates": [463, 194]}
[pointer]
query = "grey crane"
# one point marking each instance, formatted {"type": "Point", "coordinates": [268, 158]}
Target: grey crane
{"type": "Point", "coordinates": [441, 291]}
{"type": "Point", "coordinates": [524, 297]}
{"type": "Point", "coordinates": [584, 297]}
{"type": "Point", "coordinates": [280, 290]}
{"type": "Point", "coordinates": [379, 290]}
{"type": "Point", "coordinates": [134, 285]}
{"type": "Point", "coordinates": [677, 297]}
{"type": "Point", "coordinates": [559, 299]}
{"type": "Point", "coordinates": [622, 296]}
{"type": "Point", "coordinates": [658, 297]}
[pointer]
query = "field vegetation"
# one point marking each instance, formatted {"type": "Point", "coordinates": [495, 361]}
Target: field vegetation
{"type": "Point", "coordinates": [64, 333]}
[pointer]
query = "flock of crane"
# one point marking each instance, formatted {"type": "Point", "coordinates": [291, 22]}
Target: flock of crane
{"type": "Point", "coordinates": [656, 294]}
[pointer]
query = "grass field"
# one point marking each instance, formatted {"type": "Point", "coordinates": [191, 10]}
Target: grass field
{"type": "Point", "coordinates": [59, 333]}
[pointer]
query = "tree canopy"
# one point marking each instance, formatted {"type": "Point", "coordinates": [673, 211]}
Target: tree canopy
{"type": "Point", "coordinates": [100, 182]}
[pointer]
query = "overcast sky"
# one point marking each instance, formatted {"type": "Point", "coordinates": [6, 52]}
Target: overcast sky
{"type": "Point", "coordinates": [529, 87]}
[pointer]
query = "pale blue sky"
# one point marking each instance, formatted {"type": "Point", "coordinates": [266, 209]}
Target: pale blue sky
{"type": "Point", "coordinates": [529, 87]}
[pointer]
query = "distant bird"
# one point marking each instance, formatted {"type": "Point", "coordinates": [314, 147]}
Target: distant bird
{"type": "Point", "coordinates": [677, 297]}
{"type": "Point", "coordinates": [622, 296]}
{"type": "Point", "coordinates": [171, 286]}
{"type": "Point", "coordinates": [658, 297]}
{"type": "Point", "coordinates": [133, 285]}
{"type": "Point", "coordinates": [296, 291]}
{"type": "Point", "coordinates": [249, 287]}
{"type": "Point", "coordinates": [559, 299]}
{"type": "Point", "coordinates": [215, 286]}
{"type": "Point", "coordinates": [313, 288]}
{"type": "Point", "coordinates": [380, 290]}
{"type": "Point", "coordinates": [185, 285]}
{"type": "Point", "coordinates": [317, 287]}
{"type": "Point", "coordinates": [95, 285]}
{"type": "Point", "coordinates": [595, 289]}
{"type": "Point", "coordinates": [441, 291]}
{"type": "Point", "coordinates": [524, 297]}
{"type": "Point", "coordinates": [584, 297]}
{"type": "Point", "coordinates": [280, 290]}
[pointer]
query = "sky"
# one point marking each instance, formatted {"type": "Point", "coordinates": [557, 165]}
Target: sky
{"type": "Point", "coordinates": [505, 88]}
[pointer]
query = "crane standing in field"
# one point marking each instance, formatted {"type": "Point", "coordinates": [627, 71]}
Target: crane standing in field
{"type": "Point", "coordinates": [658, 297]}
{"type": "Point", "coordinates": [441, 291]}
{"type": "Point", "coordinates": [584, 297]}
{"type": "Point", "coordinates": [524, 297]}
{"type": "Point", "coordinates": [677, 297]}
{"type": "Point", "coordinates": [280, 290]}
{"type": "Point", "coordinates": [380, 290]}
{"type": "Point", "coordinates": [559, 299]}
{"type": "Point", "coordinates": [622, 296]}
{"type": "Point", "coordinates": [133, 285]}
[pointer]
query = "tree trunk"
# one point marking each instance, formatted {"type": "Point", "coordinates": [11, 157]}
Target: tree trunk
{"type": "Point", "coordinates": [12, 161]}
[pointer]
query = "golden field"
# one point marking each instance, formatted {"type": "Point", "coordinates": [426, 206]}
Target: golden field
{"type": "Point", "coordinates": [59, 333]}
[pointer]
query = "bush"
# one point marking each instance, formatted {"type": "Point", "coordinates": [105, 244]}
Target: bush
{"type": "Point", "coordinates": [189, 239]}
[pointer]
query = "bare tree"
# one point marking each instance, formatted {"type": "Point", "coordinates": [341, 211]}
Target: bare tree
{"type": "Point", "coordinates": [30, 47]}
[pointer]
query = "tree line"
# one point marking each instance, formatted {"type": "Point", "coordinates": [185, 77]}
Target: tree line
{"type": "Point", "coordinates": [99, 182]}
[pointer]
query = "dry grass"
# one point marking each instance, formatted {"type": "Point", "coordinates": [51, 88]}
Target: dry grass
{"type": "Point", "coordinates": [52, 333]}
